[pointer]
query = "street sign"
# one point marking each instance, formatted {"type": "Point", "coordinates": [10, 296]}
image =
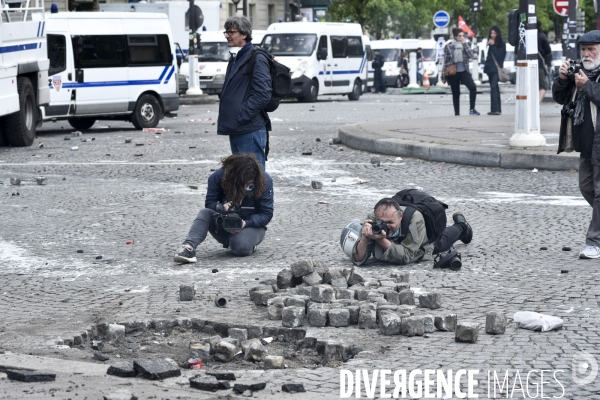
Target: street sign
{"type": "Point", "coordinates": [441, 19]}
{"type": "Point", "coordinates": [440, 31]}
{"type": "Point", "coordinates": [561, 7]}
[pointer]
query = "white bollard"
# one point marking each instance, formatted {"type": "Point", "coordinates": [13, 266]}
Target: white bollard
{"type": "Point", "coordinates": [194, 80]}
{"type": "Point", "coordinates": [527, 107]}
{"type": "Point", "coordinates": [412, 71]}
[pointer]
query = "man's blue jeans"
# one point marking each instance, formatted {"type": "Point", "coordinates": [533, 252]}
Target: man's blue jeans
{"type": "Point", "coordinates": [253, 142]}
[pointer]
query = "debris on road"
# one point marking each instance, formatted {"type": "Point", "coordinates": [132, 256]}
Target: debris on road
{"type": "Point", "coordinates": [536, 321]}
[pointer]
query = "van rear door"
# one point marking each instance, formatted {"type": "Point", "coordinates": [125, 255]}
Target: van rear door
{"type": "Point", "coordinates": [101, 71]}
{"type": "Point", "coordinates": [60, 75]}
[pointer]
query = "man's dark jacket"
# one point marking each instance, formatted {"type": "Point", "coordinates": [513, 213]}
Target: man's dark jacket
{"type": "Point", "coordinates": [242, 102]}
{"type": "Point", "coordinates": [263, 207]}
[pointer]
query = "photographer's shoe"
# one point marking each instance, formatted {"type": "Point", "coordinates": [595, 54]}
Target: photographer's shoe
{"type": "Point", "coordinates": [186, 255]}
{"type": "Point", "coordinates": [467, 235]}
{"type": "Point", "coordinates": [590, 252]}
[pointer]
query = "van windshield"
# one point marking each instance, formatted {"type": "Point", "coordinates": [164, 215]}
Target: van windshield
{"type": "Point", "coordinates": [213, 51]}
{"type": "Point", "coordinates": [429, 54]}
{"type": "Point", "coordinates": [388, 54]}
{"type": "Point", "coordinates": [297, 44]}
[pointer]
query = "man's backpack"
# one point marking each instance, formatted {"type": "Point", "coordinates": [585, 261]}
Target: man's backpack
{"type": "Point", "coordinates": [281, 80]}
{"type": "Point", "coordinates": [433, 210]}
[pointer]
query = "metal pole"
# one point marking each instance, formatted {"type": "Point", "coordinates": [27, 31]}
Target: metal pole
{"type": "Point", "coordinates": [194, 76]}
{"type": "Point", "coordinates": [597, 9]}
{"type": "Point", "coordinates": [286, 17]}
{"type": "Point", "coordinates": [572, 26]}
{"type": "Point", "coordinates": [527, 107]}
{"type": "Point", "coordinates": [245, 8]}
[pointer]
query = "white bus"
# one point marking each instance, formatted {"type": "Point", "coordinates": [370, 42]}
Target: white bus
{"type": "Point", "coordinates": [323, 57]}
{"type": "Point", "coordinates": [110, 66]}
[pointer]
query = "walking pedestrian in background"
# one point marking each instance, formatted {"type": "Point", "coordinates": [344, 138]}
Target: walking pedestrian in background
{"type": "Point", "coordinates": [456, 61]}
{"type": "Point", "coordinates": [495, 59]}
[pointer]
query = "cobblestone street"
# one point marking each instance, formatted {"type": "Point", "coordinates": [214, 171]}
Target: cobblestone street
{"type": "Point", "coordinates": [133, 203]}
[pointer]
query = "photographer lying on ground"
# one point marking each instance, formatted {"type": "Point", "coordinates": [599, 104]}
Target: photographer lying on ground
{"type": "Point", "coordinates": [384, 237]}
{"type": "Point", "coordinates": [577, 88]}
{"type": "Point", "coordinates": [238, 207]}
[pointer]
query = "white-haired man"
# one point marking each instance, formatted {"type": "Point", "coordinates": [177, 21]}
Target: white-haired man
{"type": "Point", "coordinates": [579, 92]}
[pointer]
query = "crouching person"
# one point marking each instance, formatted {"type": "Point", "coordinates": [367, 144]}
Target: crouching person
{"type": "Point", "coordinates": [238, 207]}
{"type": "Point", "coordinates": [382, 236]}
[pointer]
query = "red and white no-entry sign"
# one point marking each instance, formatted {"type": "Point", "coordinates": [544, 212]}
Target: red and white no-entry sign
{"type": "Point", "coordinates": [562, 7]}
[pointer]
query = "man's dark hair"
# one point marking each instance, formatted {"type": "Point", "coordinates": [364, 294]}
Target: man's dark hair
{"type": "Point", "coordinates": [387, 202]}
{"type": "Point", "coordinates": [242, 24]}
{"type": "Point", "coordinates": [239, 169]}
{"type": "Point", "coordinates": [456, 31]}
{"type": "Point", "coordinates": [419, 48]}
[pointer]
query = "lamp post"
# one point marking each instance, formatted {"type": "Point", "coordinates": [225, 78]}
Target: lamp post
{"type": "Point", "coordinates": [194, 76]}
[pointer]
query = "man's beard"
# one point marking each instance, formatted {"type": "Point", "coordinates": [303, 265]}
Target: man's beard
{"type": "Point", "coordinates": [590, 64]}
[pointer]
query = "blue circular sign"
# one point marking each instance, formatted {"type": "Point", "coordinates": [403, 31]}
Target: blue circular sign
{"type": "Point", "coordinates": [441, 19]}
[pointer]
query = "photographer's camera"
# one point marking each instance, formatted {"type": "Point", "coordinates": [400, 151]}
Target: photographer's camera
{"type": "Point", "coordinates": [378, 227]}
{"type": "Point", "coordinates": [574, 67]}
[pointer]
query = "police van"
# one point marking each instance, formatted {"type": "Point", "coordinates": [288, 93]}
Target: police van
{"type": "Point", "coordinates": [391, 51]}
{"type": "Point", "coordinates": [213, 57]}
{"type": "Point", "coordinates": [110, 66]}
{"type": "Point", "coordinates": [323, 57]}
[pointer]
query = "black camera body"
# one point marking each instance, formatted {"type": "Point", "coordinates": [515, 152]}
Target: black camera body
{"type": "Point", "coordinates": [231, 219]}
{"type": "Point", "coordinates": [568, 109]}
{"type": "Point", "coordinates": [451, 259]}
{"type": "Point", "coordinates": [378, 226]}
{"type": "Point", "coordinates": [574, 67]}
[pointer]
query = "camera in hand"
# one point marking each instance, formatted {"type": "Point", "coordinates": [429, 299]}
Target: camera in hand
{"type": "Point", "coordinates": [231, 218]}
{"type": "Point", "coordinates": [574, 67]}
{"type": "Point", "coordinates": [378, 227]}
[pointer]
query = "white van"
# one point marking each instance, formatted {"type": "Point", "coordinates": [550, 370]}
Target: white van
{"type": "Point", "coordinates": [390, 50]}
{"type": "Point", "coordinates": [212, 61]}
{"type": "Point", "coordinates": [110, 66]}
{"type": "Point", "coordinates": [323, 57]}
{"type": "Point", "coordinates": [429, 59]}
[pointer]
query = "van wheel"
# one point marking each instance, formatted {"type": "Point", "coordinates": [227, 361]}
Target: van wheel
{"type": "Point", "coordinates": [312, 94]}
{"type": "Point", "coordinates": [147, 112]}
{"type": "Point", "coordinates": [81, 123]}
{"type": "Point", "coordinates": [355, 94]}
{"type": "Point", "coordinates": [19, 127]}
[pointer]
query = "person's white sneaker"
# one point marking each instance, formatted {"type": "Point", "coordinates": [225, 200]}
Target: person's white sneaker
{"type": "Point", "coordinates": [590, 252]}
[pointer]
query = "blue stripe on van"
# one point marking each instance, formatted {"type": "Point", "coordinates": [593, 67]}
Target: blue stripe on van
{"type": "Point", "coordinates": [75, 85]}
{"type": "Point", "coordinates": [169, 76]}
{"type": "Point", "coordinates": [163, 74]}
{"type": "Point", "coordinates": [18, 47]}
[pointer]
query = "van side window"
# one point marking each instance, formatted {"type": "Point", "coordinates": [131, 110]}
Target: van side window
{"type": "Point", "coordinates": [323, 44]}
{"type": "Point", "coordinates": [355, 47]}
{"type": "Point", "coordinates": [338, 46]}
{"type": "Point", "coordinates": [369, 53]}
{"type": "Point", "coordinates": [99, 51]}
{"type": "Point", "coordinates": [57, 54]}
{"type": "Point", "coordinates": [149, 50]}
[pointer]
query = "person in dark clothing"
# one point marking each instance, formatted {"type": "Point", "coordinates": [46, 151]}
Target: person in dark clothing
{"type": "Point", "coordinates": [580, 96]}
{"type": "Point", "coordinates": [404, 69]}
{"type": "Point", "coordinates": [458, 53]}
{"type": "Point", "coordinates": [240, 183]}
{"type": "Point", "coordinates": [244, 96]}
{"type": "Point", "coordinates": [495, 60]}
{"type": "Point", "coordinates": [544, 60]}
{"type": "Point", "coordinates": [378, 84]}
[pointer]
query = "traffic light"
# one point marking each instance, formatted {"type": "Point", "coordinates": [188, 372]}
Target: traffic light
{"type": "Point", "coordinates": [513, 27]}
{"type": "Point", "coordinates": [476, 5]}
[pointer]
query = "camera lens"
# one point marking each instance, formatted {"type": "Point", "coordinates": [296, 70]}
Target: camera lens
{"type": "Point", "coordinates": [455, 264]}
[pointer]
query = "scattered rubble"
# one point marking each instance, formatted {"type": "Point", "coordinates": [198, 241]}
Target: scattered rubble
{"type": "Point", "coordinates": [495, 323]}
{"type": "Point", "coordinates": [29, 376]}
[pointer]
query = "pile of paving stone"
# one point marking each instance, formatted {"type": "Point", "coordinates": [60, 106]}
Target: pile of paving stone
{"type": "Point", "coordinates": [309, 293]}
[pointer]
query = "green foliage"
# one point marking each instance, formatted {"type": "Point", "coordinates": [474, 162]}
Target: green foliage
{"type": "Point", "coordinates": [410, 18]}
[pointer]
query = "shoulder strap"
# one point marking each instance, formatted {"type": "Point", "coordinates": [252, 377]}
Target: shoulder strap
{"type": "Point", "coordinates": [406, 218]}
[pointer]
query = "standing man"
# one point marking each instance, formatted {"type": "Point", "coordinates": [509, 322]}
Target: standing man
{"type": "Point", "coordinates": [420, 65]}
{"type": "Point", "coordinates": [244, 96]}
{"type": "Point", "coordinates": [377, 64]}
{"type": "Point", "coordinates": [579, 93]}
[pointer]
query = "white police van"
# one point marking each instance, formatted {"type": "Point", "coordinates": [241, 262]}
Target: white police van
{"type": "Point", "coordinates": [323, 57]}
{"type": "Point", "coordinates": [213, 57]}
{"type": "Point", "coordinates": [110, 66]}
{"type": "Point", "coordinates": [391, 51]}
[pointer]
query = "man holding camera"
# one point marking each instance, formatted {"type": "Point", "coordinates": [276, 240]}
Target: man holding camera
{"type": "Point", "coordinates": [381, 238]}
{"type": "Point", "coordinates": [238, 207]}
{"type": "Point", "coordinates": [578, 90]}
